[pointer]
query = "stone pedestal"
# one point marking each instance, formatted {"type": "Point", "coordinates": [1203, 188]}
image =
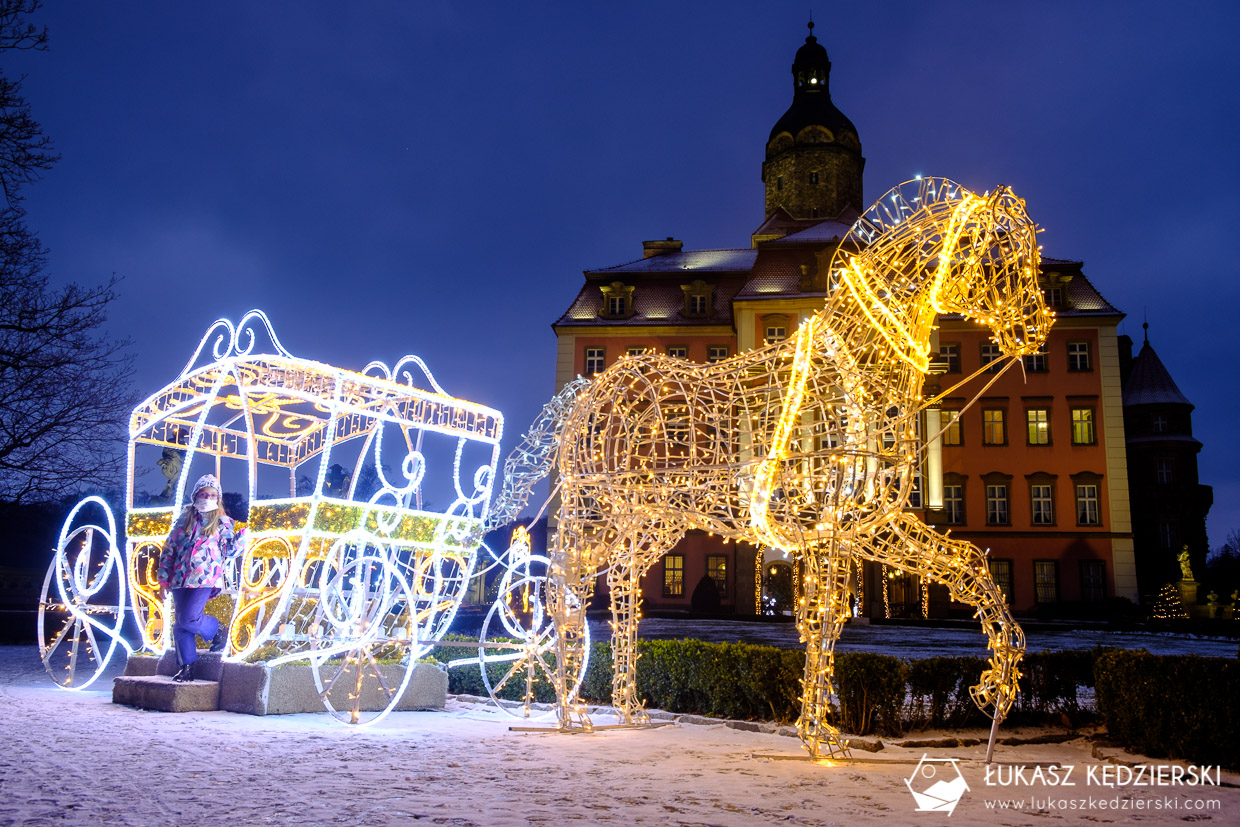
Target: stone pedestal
{"type": "Point", "coordinates": [1188, 594]}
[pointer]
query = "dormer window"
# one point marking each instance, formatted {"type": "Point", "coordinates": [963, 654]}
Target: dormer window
{"type": "Point", "coordinates": [699, 299]}
{"type": "Point", "coordinates": [617, 301]}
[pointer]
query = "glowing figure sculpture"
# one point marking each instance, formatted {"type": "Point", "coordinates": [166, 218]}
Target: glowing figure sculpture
{"type": "Point", "coordinates": [347, 565]}
{"type": "Point", "coordinates": [809, 445]}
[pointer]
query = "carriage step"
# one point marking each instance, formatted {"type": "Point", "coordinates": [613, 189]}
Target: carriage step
{"type": "Point", "coordinates": [160, 692]}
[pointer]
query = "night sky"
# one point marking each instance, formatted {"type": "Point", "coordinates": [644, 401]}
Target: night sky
{"type": "Point", "coordinates": [432, 177]}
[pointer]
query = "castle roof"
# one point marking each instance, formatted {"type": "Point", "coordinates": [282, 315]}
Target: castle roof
{"type": "Point", "coordinates": [1150, 383]}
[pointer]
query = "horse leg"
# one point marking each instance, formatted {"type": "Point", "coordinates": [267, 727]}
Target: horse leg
{"type": "Point", "coordinates": [570, 583]}
{"type": "Point", "coordinates": [623, 580]}
{"type": "Point", "coordinates": [910, 545]}
{"type": "Point", "coordinates": [820, 619]}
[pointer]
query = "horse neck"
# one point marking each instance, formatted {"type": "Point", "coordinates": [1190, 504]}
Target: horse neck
{"type": "Point", "coordinates": [858, 325]}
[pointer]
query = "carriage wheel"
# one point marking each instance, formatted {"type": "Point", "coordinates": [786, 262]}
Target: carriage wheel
{"type": "Point", "coordinates": [82, 606]}
{"type": "Point", "coordinates": [518, 640]}
{"type": "Point", "coordinates": [362, 644]}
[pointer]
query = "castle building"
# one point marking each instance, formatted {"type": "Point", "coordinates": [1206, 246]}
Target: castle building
{"type": "Point", "coordinates": [1169, 504]}
{"type": "Point", "coordinates": [1034, 470]}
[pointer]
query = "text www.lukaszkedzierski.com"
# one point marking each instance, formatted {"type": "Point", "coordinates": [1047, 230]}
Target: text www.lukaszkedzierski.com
{"type": "Point", "coordinates": [1049, 803]}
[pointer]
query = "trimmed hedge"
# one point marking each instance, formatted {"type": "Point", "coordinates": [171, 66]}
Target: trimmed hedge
{"type": "Point", "coordinates": [1171, 706]}
{"type": "Point", "coordinates": [877, 693]}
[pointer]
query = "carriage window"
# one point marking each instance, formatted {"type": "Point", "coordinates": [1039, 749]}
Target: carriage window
{"type": "Point", "coordinates": [674, 575]}
{"type": "Point", "coordinates": [678, 351]}
{"type": "Point", "coordinates": [1087, 504]}
{"type": "Point", "coordinates": [1078, 356]}
{"type": "Point", "coordinates": [1046, 581]}
{"type": "Point", "coordinates": [716, 353]}
{"type": "Point", "coordinates": [1083, 426]}
{"type": "Point", "coordinates": [949, 354]}
{"type": "Point", "coordinates": [717, 568]}
{"type": "Point", "coordinates": [1093, 580]}
{"type": "Point", "coordinates": [1038, 421]}
{"type": "Point", "coordinates": [997, 504]}
{"type": "Point", "coordinates": [594, 360]}
{"type": "Point", "coordinates": [991, 355]}
{"type": "Point", "coordinates": [994, 430]}
{"type": "Point", "coordinates": [1042, 503]}
{"type": "Point", "coordinates": [953, 434]}
{"type": "Point", "coordinates": [1001, 573]}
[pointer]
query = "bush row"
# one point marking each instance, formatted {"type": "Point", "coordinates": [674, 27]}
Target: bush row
{"type": "Point", "coordinates": [1172, 706]}
{"type": "Point", "coordinates": [877, 693]}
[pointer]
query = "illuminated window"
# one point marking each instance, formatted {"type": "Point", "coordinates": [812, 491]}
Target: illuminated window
{"type": "Point", "coordinates": [1083, 426]}
{"type": "Point", "coordinates": [1042, 504]}
{"type": "Point", "coordinates": [678, 351]}
{"type": "Point", "coordinates": [953, 504]}
{"type": "Point", "coordinates": [1038, 422]}
{"type": "Point", "coordinates": [594, 360]}
{"type": "Point", "coordinates": [991, 355]}
{"type": "Point", "coordinates": [1046, 581]}
{"type": "Point", "coordinates": [673, 575]}
{"type": "Point", "coordinates": [716, 353]}
{"type": "Point", "coordinates": [1001, 573]}
{"type": "Point", "coordinates": [949, 354]}
{"type": "Point", "coordinates": [994, 430]}
{"type": "Point", "coordinates": [997, 504]}
{"type": "Point", "coordinates": [1093, 580]}
{"type": "Point", "coordinates": [1036, 362]}
{"type": "Point", "coordinates": [954, 434]}
{"type": "Point", "coordinates": [717, 569]}
{"type": "Point", "coordinates": [1087, 504]}
{"type": "Point", "coordinates": [1078, 356]}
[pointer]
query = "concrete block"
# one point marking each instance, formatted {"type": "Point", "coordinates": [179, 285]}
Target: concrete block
{"type": "Point", "coordinates": [162, 693]}
{"type": "Point", "coordinates": [258, 689]}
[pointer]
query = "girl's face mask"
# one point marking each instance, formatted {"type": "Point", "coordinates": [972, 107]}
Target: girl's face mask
{"type": "Point", "coordinates": [206, 503]}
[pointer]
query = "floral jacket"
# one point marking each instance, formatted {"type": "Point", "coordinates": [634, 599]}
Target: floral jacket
{"type": "Point", "coordinates": [191, 561]}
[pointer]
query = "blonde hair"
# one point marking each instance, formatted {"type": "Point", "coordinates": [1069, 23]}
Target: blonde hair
{"type": "Point", "coordinates": [212, 521]}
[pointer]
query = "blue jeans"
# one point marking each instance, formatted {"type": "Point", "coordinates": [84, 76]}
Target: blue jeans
{"type": "Point", "coordinates": [190, 622]}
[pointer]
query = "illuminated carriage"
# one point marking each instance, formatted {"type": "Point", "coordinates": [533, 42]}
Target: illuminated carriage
{"type": "Point", "coordinates": [365, 497]}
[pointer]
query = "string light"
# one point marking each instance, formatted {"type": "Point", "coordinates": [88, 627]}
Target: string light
{"type": "Point", "coordinates": [809, 445]}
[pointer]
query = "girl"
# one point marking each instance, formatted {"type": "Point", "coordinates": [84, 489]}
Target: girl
{"type": "Point", "coordinates": [192, 566]}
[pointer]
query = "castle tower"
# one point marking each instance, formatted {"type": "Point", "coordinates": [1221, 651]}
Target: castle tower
{"type": "Point", "coordinates": [813, 156]}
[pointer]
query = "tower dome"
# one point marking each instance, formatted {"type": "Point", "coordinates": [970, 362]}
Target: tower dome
{"type": "Point", "coordinates": [813, 160]}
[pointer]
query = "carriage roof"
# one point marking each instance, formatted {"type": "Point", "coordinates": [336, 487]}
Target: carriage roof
{"type": "Point", "coordinates": [285, 404]}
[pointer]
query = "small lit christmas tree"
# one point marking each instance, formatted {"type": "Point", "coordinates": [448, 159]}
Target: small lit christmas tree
{"type": "Point", "coordinates": [1167, 605]}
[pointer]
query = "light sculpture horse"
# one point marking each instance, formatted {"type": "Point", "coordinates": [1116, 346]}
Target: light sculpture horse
{"type": "Point", "coordinates": [808, 445]}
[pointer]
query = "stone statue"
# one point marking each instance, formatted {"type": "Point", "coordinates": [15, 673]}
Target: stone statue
{"type": "Point", "coordinates": [1186, 571]}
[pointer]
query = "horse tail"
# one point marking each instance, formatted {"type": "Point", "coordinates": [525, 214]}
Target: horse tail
{"type": "Point", "coordinates": [531, 460]}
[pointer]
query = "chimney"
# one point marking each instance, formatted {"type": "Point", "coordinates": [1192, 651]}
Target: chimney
{"type": "Point", "coordinates": [658, 248]}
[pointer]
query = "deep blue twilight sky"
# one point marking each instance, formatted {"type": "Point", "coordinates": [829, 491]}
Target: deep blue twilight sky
{"type": "Point", "coordinates": [432, 177]}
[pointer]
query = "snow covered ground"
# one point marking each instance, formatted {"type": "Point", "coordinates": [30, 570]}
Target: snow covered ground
{"type": "Point", "coordinates": [75, 758]}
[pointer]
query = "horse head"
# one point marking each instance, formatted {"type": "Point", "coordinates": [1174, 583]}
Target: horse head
{"type": "Point", "coordinates": [930, 247]}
